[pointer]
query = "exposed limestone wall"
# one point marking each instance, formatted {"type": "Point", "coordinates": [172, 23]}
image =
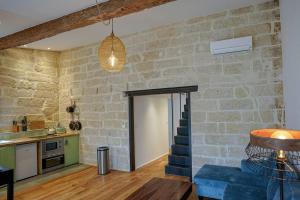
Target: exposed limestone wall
{"type": "Point", "coordinates": [28, 85]}
{"type": "Point", "coordinates": [237, 92]}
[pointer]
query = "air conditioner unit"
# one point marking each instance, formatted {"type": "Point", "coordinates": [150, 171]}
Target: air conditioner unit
{"type": "Point", "coordinates": [231, 45]}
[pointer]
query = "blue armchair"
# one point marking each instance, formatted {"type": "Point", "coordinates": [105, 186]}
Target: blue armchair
{"type": "Point", "coordinates": [233, 183]}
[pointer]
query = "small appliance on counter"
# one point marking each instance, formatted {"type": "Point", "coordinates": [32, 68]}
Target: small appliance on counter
{"type": "Point", "coordinates": [60, 129]}
{"type": "Point", "coordinates": [57, 130]}
{"type": "Point", "coordinates": [51, 131]}
{"type": "Point", "coordinates": [53, 154]}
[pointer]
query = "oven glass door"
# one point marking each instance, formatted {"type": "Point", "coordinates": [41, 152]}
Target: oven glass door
{"type": "Point", "coordinates": [51, 146]}
{"type": "Point", "coordinates": [53, 162]}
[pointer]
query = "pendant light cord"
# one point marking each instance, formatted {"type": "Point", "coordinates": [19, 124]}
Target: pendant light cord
{"type": "Point", "coordinates": [112, 34]}
{"type": "Point", "coordinates": [112, 25]}
{"type": "Point", "coordinates": [108, 23]}
{"type": "Point", "coordinates": [99, 11]}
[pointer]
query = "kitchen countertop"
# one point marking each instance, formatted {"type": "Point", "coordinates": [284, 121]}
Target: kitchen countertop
{"type": "Point", "coordinates": [31, 139]}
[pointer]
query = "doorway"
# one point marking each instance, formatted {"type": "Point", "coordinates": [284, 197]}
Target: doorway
{"type": "Point", "coordinates": [151, 128]}
{"type": "Point", "coordinates": [175, 90]}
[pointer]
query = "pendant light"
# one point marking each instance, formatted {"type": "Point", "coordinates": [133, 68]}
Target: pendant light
{"type": "Point", "coordinates": [112, 53]}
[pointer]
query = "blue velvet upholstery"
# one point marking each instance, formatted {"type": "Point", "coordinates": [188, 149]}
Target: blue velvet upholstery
{"type": "Point", "coordinates": [242, 192]}
{"type": "Point", "coordinates": [258, 167]}
{"type": "Point", "coordinates": [272, 189]}
{"type": "Point", "coordinates": [247, 183]}
{"type": "Point", "coordinates": [293, 192]}
{"type": "Point", "coordinates": [211, 180]}
{"type": "Point", "coordinates": [291, 188]}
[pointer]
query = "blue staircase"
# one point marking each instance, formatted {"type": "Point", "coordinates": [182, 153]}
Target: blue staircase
{"type": "Point", "coordinates": [179, 161]}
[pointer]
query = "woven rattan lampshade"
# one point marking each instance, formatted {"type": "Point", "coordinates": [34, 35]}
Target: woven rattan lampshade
{"type": "Point", "coordinates": [112, 54]}
{"type": "Point", "coordinates": [277, 151]}
{"type": "Point", "coordinates": [276, 139]}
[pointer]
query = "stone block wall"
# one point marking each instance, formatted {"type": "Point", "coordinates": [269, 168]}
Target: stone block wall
{"type": "Point", "coordinates": [237, 92]}
{"type": "Point", "coordinates": [28, 86]}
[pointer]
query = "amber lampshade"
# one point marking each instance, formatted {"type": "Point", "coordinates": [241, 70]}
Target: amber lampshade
{"type": "Point", "coordinates": [112, 54]}
{"type": "Point", "coordinates": [277, 139]}
{"type": "Point", "coordinates": [277, 151]}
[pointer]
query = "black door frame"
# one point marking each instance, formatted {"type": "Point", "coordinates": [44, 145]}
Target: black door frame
{"type": "Point", "coordinates": [172, 90]}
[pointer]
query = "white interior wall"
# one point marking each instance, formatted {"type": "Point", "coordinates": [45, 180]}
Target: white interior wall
{"type": "Point", "coordinates": [150, 128]}
{"type": "Point", "coordinates": [176, 114]}
{"type": "Point", "coordinates": [290, 15]}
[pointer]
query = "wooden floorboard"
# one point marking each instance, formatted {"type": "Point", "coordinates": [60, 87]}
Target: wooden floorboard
{"type": "Point", "coordinates": [87, 185]}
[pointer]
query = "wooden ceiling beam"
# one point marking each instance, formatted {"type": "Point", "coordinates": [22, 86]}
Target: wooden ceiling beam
{"type": "Point", "coordinates": [85, 17]}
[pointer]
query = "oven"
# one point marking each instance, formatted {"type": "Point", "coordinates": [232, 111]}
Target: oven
{"type": "Point", "coordinates": [53, 154]}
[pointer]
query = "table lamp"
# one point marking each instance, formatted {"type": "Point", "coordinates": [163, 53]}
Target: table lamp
{"type": "Point", "coordinates": [276, 149]}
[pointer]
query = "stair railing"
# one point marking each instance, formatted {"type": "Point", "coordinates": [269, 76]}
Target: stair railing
{"type": "Point", "coordinates": [188, 103]}
{"type": "Point", "coordinates": [172, 113]}
{"type": "Point", "coordinates": [180, 103]}
{"type": "Point", "coordinates": [179, 106]}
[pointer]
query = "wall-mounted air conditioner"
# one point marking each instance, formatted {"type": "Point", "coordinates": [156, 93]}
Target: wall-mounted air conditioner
{"type": "Point", "coordinates": [231, 45]}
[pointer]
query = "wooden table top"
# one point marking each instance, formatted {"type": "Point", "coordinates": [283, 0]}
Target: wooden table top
{"type": "Point", "coordinates": [5, 174]}
{"type": "Point", "coordinates": [3, 169]}
{"type": "Point", "coordinates": [162, 189]}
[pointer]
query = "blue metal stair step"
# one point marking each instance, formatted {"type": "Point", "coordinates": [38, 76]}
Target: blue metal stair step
{"type": "Point", "coordinates": [177, 170]}
{"type": "Point", "coordinates": [180, 150]}
{"type": "Point", "coordinates": [186, 108]}
{"type": "Point", "coordinates": [184, 161]}
{"type": "Point", "coordinates": [183, 122]}
{"type": "Point", "coordinates": [185, 115]}
{"type": "Point", "coordinates": [182, 131]}
{"type": "Point", "coordinates": [181, 140]}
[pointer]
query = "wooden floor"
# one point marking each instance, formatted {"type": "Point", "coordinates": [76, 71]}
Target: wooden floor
{"type": "Point", "coordinates": [87, 185]}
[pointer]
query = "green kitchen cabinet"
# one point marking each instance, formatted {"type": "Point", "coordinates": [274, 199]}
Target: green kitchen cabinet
{"type": "Point", "coordinates": [71, 150]}
{"type": "Point", "coordinates": [8, 157]}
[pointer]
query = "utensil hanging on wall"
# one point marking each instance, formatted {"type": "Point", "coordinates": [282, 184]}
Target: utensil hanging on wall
{"type": "Point", "coordinates": [78, 125]}
{"type": "Point", "coordinates": [76, 111]}
{"type": "Point", "coordinates": [71, 109]}
{"type": "Point", "coordinates": [72, 125]}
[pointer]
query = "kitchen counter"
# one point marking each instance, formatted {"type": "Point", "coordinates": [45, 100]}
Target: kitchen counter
{"type": "Point", "coordinates": [31, 139]}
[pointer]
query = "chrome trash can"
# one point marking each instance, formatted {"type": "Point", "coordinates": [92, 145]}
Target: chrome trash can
{"type": "Point", "coordinates": [103, 160]}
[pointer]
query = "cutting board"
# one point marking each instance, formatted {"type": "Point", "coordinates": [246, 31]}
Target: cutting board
{"type": "Point", "coordinates": [34, 125]}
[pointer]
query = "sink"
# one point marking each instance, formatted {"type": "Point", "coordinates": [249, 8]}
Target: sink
{"type": "Point", "coordinates": [4, 141]}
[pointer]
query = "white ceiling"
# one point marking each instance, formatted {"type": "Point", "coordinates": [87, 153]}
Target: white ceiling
{"type": "Point", "coordinates": [16, 15]}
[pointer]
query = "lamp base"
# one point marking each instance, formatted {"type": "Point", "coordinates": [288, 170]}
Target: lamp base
{"type": "Point", "coordinates": [281, 168]}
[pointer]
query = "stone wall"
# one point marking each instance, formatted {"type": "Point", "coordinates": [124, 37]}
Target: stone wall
{"type": "Point", "coordinates": [28, 86]}
{"type": "Point", "coordinates": [237, 92]}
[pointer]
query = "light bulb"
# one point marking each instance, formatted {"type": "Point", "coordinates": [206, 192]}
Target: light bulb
{"type": "Point", "coordinates": [281, 154]}
{"type": "Point", "coordinates": [112, 60]}
{"type": "Point", "coordinates": [281, 134]}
